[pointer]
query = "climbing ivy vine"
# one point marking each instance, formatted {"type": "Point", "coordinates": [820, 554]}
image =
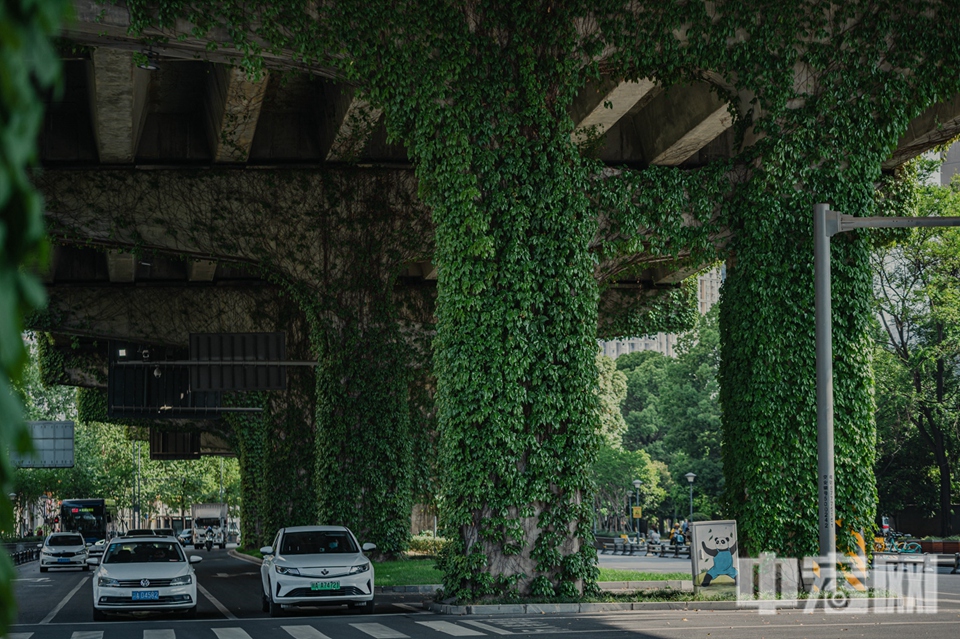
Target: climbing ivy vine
{"type": "Point", "coordinates": [479, 92]}
{"type": "Point", "coordinates": [28, 66]}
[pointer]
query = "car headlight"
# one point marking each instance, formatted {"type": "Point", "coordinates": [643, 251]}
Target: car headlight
{"type": "Point", "coordinates": [107, 582]}
{"type": "Point", "coordinates": [358, 569]}
{"type": "Point", "coordinates": [182, 581]}
{"type": "Point", "coordinates": [46, 552]}
{"type": "Point", "coordinates": [283, 570]}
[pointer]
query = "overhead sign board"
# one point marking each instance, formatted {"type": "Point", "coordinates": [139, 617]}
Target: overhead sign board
{"type": "Point", "coordinates": [53, 443]}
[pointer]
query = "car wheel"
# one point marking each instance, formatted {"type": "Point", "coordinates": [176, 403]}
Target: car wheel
{"type": "Point", "coordinates": [264, 602]}
{"type": "Point", "coordinates": [99, 615]}
{"type": "Point", "coordinates": [43, 569]}
{"type": "Point", "coordinates": [366, 607]}
{"type": "Point", "coordinates": [223, 546]}
{"type": "Point", "coordinates": [86, 568]}
{"type": "Point", "coordinates": [276, 610]}
{"type": "Point", "coordinates": [190, 613]}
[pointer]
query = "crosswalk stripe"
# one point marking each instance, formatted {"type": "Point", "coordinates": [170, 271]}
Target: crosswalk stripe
{"type": "Point", "coordinates": [231, 633]}
{"type": "Point", "coordinates": [304, 632]}
{"type": "Point", "coordinates": [378, 631]}
{"type": "Point", "coordinates": [163, 633]}
{"type": "Point", "coordinates": [452, 629]}
{"type": "Point", "coordinates": [20, 635]}
{"type": "Point", "coordinates": [488, 628]}
{"type": "Point", "coordinates": [87, 634]}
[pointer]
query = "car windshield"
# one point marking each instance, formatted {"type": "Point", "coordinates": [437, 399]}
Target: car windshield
{"type": "Point", "coordinates": [65, 540]}
{"type": "Point", "coordinates": [317, 543]}
{"type": "Point", "coordinates": [142, 552]}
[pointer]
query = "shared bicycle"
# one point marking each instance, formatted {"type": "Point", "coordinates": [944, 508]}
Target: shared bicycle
{"type": "Point", "coordinates": [895, 542]}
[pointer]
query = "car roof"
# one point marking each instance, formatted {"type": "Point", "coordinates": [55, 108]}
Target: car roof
{"type": "Point", "coordinates": [121, 540]}
{"type": "Point", "coordinates": [314, 529]}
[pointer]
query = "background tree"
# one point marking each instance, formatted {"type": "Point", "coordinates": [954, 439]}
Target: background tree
{"type": "Point", "coordinates": [917, 294]}
{"type": "Point", "coordinates": [673, 414]}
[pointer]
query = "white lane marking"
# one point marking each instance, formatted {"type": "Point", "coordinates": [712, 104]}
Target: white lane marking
{"type": "Point", "coordinates": [20, 635]}
{"type": "Point", "coordinates": [451, 629]}
{"type": "Point", "coordinates": [163, 633]}
{"type": "Point", "coordinates": [488, 628]}
{"type": "Point", "coordinates": [216, 604]}
{"type": "Point", "coordinates": [378, 631]}
{"type": "Point", "coordinates": [59, 607]}
{"type": "Point", "coordinates": [231, 633]}
{"type": "Point", "coordinates": [408, 607]}
{"type": "Point", "coordinates": [304, 632]}
{"type": "Point", "coordinates": [87, 634]}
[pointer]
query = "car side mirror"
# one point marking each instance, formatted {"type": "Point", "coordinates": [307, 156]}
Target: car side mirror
{"type": "Point", "coordinates": [266, 550]}
{"type": "Point", "coordinates": [368, 546]}
{"type": "Point", "coordinates": [93, 561]}
{"type": "Point", "coordinates": [88, 545]}
{"type": "Point", "coordinates": [195, 559]}
{"type": "Point", "coordinates": [39, 545]}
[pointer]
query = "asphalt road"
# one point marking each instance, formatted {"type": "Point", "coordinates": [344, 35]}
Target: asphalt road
{"type": "Point", "coordinates": [57, 605]}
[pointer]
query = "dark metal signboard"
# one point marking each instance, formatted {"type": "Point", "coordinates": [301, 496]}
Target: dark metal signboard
{"type": "Point", "coordinates": [148, 382]}
{"type": "Point", "coordinates": [238, 361]}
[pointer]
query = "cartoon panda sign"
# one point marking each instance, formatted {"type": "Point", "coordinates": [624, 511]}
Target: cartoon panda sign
{"type": "Point", "coordinates": [713, 546]}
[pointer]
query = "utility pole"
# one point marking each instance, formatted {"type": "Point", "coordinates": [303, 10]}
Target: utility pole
{"type": "Point", "coordinates": [826, 224]}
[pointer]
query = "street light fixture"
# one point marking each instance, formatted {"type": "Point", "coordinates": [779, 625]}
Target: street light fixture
{"type": "Point", "coordinates": [636, 520]}
{"type": "Point", "coordinates": [690, 477]}
{"type": "Point", "coordinates": [826, 224]}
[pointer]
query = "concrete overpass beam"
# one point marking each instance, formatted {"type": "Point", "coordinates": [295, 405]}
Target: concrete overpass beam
{"type": "Point", "coordinates": [121, 267]}
{"type": "Point", "coordinates": [118, 95]}
{"type": "Point", "coordinates": [351, 124]}
{"type": "Point", "coordinates": [688, 116]}
{"type": "Point", "coordinates": [231, 107]}
{"type": "Point", "coordinates": [201, 270]}
{"type": "Point", "coordinates": [937, 125]}
{"type": "Point", "coordinates": [600, 106]}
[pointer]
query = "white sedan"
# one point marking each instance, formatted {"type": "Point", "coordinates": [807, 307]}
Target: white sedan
{"type": "Point", "coordinates": [140, 574]}
{"type": "Point", "coordinates": [315, 566]}
{"type": "Point", "coordinates": [63, 550]}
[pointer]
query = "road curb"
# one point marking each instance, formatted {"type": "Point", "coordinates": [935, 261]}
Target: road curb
{"type": "Point", "coordinates": [884, 604]}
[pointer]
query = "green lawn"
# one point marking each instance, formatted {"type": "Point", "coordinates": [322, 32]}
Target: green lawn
{"type": "Point", "coordinates": [611, 574]}
{"type": "Point", "coordinates": [423, 572]}
{"type": "Point", "coordinates": [407, 572]}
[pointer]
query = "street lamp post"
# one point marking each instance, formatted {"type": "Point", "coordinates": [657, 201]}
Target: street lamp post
{"type": "Point", "coordinates": [690, 477]}
{"type": "Point", "coordinates": [636, 521]}
{"type": "Point", "coordinates": [826, 224]}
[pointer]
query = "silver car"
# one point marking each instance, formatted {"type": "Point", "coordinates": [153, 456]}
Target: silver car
{"type": "Point", "coordinates": [63, 550]}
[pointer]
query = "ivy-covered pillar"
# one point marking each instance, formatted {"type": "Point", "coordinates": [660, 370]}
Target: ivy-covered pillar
{"type": "Point", "coordinates": [767, 370]}
{"type": "Point", "coordinates": [364, 445]}
{"type": "Point", "coordinates": [275, 447]}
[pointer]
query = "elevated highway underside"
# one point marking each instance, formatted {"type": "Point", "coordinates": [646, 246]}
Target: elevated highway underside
{"type": "Point", "coordinates": [185, 197]}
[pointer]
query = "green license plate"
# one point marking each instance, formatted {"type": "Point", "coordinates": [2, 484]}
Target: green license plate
{"type": "Point", "coordinates": [325, 585]}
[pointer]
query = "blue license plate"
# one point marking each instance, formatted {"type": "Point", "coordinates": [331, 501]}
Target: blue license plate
{"type": "Point", "coordinates": [63, 560]}
{"type": "Point", "coordinates": [146, 595]}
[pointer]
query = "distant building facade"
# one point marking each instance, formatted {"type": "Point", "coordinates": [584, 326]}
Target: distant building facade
{"type": "Point", "coordinates": [708, 294]}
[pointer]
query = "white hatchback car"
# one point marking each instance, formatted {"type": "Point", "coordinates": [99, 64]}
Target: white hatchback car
{"type": "Point", "coordinates": [140, 574]}
{"type": "Point", "coordinates": [316, 566]}
{"type": "Point", "coordinates": [63, 550]}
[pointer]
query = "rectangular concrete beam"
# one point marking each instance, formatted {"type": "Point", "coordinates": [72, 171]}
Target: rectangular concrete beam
{"type": "Point", "coordinates": [351, 122]}
{"type": "Point", "coordinates": [121, 267]}
{"type": "Point", "coordinates": [607, 103]}
{"type": "Point", "coordinates": [201, 270]}
{"type": "Point", "coordinates": [937, 125]}
{"type": "Point", "coordinates": [118, 97]}
{"type": "Point", "coordinates": [232, 107]}
{"type": "Point", "coordinates": [688, 118]}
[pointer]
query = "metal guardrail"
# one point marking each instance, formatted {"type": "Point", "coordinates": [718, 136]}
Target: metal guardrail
{"type": "Point", "coordinates": [22, 553]}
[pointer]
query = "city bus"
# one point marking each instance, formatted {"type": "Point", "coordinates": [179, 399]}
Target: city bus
{"type": "Point", "coordinates": [92, 518]}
